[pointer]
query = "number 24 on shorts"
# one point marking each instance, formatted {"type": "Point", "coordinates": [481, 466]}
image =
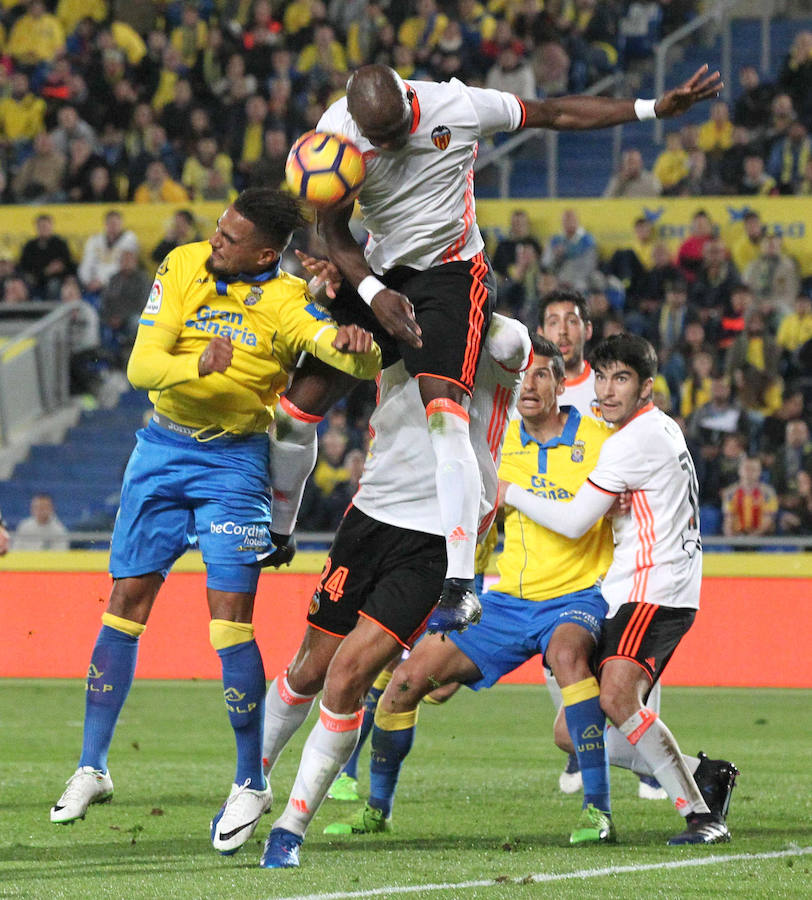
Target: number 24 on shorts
{"type": "Point", "coordinates": [334, 585]}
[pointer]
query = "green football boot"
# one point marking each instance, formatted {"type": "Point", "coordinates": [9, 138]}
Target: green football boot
{"type": "Point", "coordinates": [344, 788]}
{"type": "Point", "coordinates": [367, 820]}
{"type": "Point", "coordinates": [594, 827]}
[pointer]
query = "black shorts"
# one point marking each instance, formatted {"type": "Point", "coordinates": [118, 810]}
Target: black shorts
{"type": "Point", "coordinates": [644, 633]}
{"type": "Point", "coordinates": [390, 575]}
{"type": "Point", "coordinates": [453, 304]}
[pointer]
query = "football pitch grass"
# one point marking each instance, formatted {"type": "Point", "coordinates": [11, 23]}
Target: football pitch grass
{"type": "Point", "coordinates": [478, 813]}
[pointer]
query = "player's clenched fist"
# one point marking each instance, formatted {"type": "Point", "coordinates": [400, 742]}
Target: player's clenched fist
{"type": "Point", "coordinates": [216, 357]}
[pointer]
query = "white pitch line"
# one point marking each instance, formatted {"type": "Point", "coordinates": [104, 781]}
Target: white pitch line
{"type": "Point", "coordinates": [554, 876]}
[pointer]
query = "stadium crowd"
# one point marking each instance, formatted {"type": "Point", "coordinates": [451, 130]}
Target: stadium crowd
{"type": "Point", "coordinates": [179, 102]}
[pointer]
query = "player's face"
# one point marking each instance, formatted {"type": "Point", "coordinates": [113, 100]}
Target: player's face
{"type": "Point", "coordinates": [236, 247]}
{"type": "Point", "coordinates": [386, 129]}
{"type": "Point", "coordinates": [538, 396]}
{"type": "Point", "coordinates": [564, 326]}
{"type": "Point", "coordinates": [620, 393]}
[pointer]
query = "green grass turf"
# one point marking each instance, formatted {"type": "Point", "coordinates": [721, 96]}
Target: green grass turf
{"type": "Point", "coordinates": [478, 801]}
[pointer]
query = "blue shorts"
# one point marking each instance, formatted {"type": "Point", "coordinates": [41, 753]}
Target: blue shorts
{"type": "Point", "coordinates": [178, 492]}
{"type": "Point", "coordinates": [514, 630]}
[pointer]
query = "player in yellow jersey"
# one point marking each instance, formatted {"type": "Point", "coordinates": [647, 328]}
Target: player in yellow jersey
{"type": "Point", "coordinates": [220, 334]}
{"type": "Point", "coordinates": [547, 601]}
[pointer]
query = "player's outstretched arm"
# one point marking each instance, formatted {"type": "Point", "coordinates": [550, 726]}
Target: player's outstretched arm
{"type": "Point", "coordinates": [581, 112]}
{"type": "Point", "coordinates": [392, 309]}
{"type": "Point", "coordinates": [571, 519]}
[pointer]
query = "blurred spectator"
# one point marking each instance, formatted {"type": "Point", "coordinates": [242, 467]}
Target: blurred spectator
{"type": "Point", "coordinates": [82, 160]}
{"type": "Point", "coordinates": [551, 65]}
{"type": "Point", "coordinates": [46, 259]}
{"type": "Point", "coordinates": [671, 166]}
{"type": "Point", "coordinates": [796, 75]}
{"type": "Point", "coordinates": [788, 157]}
{"type": "Point", "coordinates": [190, 37]}
{"type": "Point", "coordinates": [70, 127]}
{"type": "Point", "coordinates": [22, 117]}
{"type": "Point", "coordinates": [732, 323]}
{"type": "Point", "coordinates": [101, 258]}
{"type": "Point", "coordinates": [749, 505]}
{"type": "Point", "coordinates": [330, 469]}
{"type": "Point", "coordinates": [158, 187]}
{"type": "Point", "coordinates": [99, 187]}
{"type": "Point", "coordinates": [156, 148]}
{"type": "Point", "coordinates": [754, 347]}
{"type": "Point", "coordinates": [207, 173]}
{"type": "Point", "coordinates": [663, 269]}
{"type": "Point", "coordinates": [571, 255]}
{"type": "Point", "coordinates": [632, 180]}
{"type": "Point", "coordinates": [36, 37]}
{"type": "Point", "coordinates": [512, 73]}
{"type": "Point", "coordinates": [269, 169]}
{"type": "Point", "coordinates": [323, 56]}
{"type": "Point", "coordinates": [182, 229]}
{"type": "Point", "coordinates": [591, 42]}
{"type": "Point", "coordinates": [696, 389]}
{"type": "Point", "coordinates": [752, 108]}
{"type": "Point", "coordinates": [800, 521]}
{"type": "Point", "coordinates": [42, 530]}
{"type": "Point", "coordinates": [15, 290]}
{"type": "Point", "coordinates": [721, 415]}
{"type": "Point", "coordinates": [519, 292]}
{"type": "Point", "coordinates": [701, 179]}
{"type": "Point", "coordinates": [773, 277]}
{"type": "Point", "coordinates": [747, 247]}
{"type": "Point", "coordinates": [84, 336]}
{"type": "Point", "coordinates": [639, 30]}
{"type": "Point", "coordinates": [504, 253]}
{"type": "Point", "coordinates": [792, 458]}
{"type": "Point", "coordinates": [755, 179]}
{"type": "Point", "coordinates": [630, 264]}
{"type": "Point", "coordinates": [122, 301]}
{"type": "Point", "coordinates": [782, 115]}
{"type": "Point", "coordinates": [422, 31]}
{"type": "Point", "coordinates": [691, 251]}
{"type": "Point", "coordinates": [176, 114]}
{"type": "Point", "coordinates": [248, 146]}
{"type": "Point", "coordinates": [796, 327]}
{"type": "Point", "coordinates": [731, 166]}
{"type": "Point", "coordinates": [715, 280]}
{"type": "Point", "coordinates": [39, 179]}
{"type": "Point", "coordinates": [774, 426]}
{"type": "Point", "coordinates": [673, 314]}
{"type": "Point", "coordinates": [337, 501]}
{"type": "Point", "coordinates": [716, 135]}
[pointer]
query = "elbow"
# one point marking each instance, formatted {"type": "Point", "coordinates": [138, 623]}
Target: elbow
{"type": "Point", "coordinates": [138, 374]}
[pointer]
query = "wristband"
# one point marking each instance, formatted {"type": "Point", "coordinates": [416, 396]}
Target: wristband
{"type": "Point", "coordinates": [369, 287]}
{"type": "Point", "coordinates": [644, 109]}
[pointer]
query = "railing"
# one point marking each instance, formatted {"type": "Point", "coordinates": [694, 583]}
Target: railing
{"type": "Point", "coordinates": [720, 17]}
{"type": "Point", "coordinates": [501, 156]}
{"type": "Point", "coordinates": [34, 364]}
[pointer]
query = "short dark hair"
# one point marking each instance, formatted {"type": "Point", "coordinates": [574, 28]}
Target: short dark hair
{"type": "Point", "coordinates": [631, 350]}
{"type": "Point", "coordinates": [564, 295]}
{"type": "Point", "coordinates": [275, 214]}
{"type": "Point", "coordinates": [543, 347]}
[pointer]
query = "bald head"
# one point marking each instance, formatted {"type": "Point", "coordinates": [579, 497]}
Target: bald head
{"type": "Point", "coordinates": [378, 102]}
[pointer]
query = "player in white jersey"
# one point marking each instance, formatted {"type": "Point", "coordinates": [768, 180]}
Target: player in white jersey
{"type": "Point", "coordinates": [423, 271]}
{"type": "Point", "coordinates": [382, 577]}
{"type": "Point", "coordinates": [564, 319]}
{"type": "Point", "coordinates": [652, 586]}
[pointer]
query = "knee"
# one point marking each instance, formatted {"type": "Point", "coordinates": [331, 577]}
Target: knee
{"type": "Point", "coordinates": [568, 664]}
{"type": "Point", "coordinates": [614, 701]}
{"type": "Point", "coordinates": [402, 692]}
{"type": "Point", "coordinates": [347, 683]}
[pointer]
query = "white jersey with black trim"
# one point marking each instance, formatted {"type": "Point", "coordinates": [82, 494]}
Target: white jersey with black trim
{"type": "Point", "coordinates": [398, 484]}
{"type": "Point", "coordinates": [580, 393]}
{"type": "Point", "coordinates": [418, 203]}
{"type": "Point", "coordinates": [658, 551]}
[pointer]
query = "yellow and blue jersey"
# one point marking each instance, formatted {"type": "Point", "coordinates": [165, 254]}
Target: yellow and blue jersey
{"type": "Point", "coordinates": [270, 318]}
{"type": "Point", "coordinates": [538, 564]}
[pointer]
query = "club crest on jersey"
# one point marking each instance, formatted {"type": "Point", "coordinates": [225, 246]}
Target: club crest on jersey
{"type": "Point", "coordinates": [254, 297]}
{"type": "Point", "coordinates": [441, 137]}
{"type": "Point", "coordinates": [577, 453]}
{"type": "Point", "coordinates": [314, 604]}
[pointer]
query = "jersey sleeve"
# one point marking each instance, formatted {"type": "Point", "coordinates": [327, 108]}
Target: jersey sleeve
{"type": "Point", "coordinates": [621, 466]}
{"type": "Point", "coordinates": [308, 327]}
{"type": "Point", "coordinates": [496, 110]}
{"type": "Point", "coordinates": [152, 365]}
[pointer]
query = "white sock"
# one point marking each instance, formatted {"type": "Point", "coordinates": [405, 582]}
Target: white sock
{"type": "Point", "coordinates": [655, 743]}
{"type": "Point", "coordinates": [626, 756]}
{"type": "Point", "coordinates": [285, 711]}
{"type": "Point", "coordinates": [293, 457]}
{"type": "Point", "coordinates": [554, 689]}
{"type": "Point", "coordinates": [328, 746]}
{"type": "Point", "coordinates": [653, 699]}
{"type": "Point", "coordinates": [458, 483]}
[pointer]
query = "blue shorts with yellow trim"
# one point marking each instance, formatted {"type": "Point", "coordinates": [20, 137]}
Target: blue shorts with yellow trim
{"type": "Point", "coordinates": [178, 492]}
{"type": "Point", "coordinates": [513, 630]}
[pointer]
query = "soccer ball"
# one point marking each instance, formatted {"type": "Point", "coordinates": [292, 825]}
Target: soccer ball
{"type": "Point", "coordinates": [326, 170]}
